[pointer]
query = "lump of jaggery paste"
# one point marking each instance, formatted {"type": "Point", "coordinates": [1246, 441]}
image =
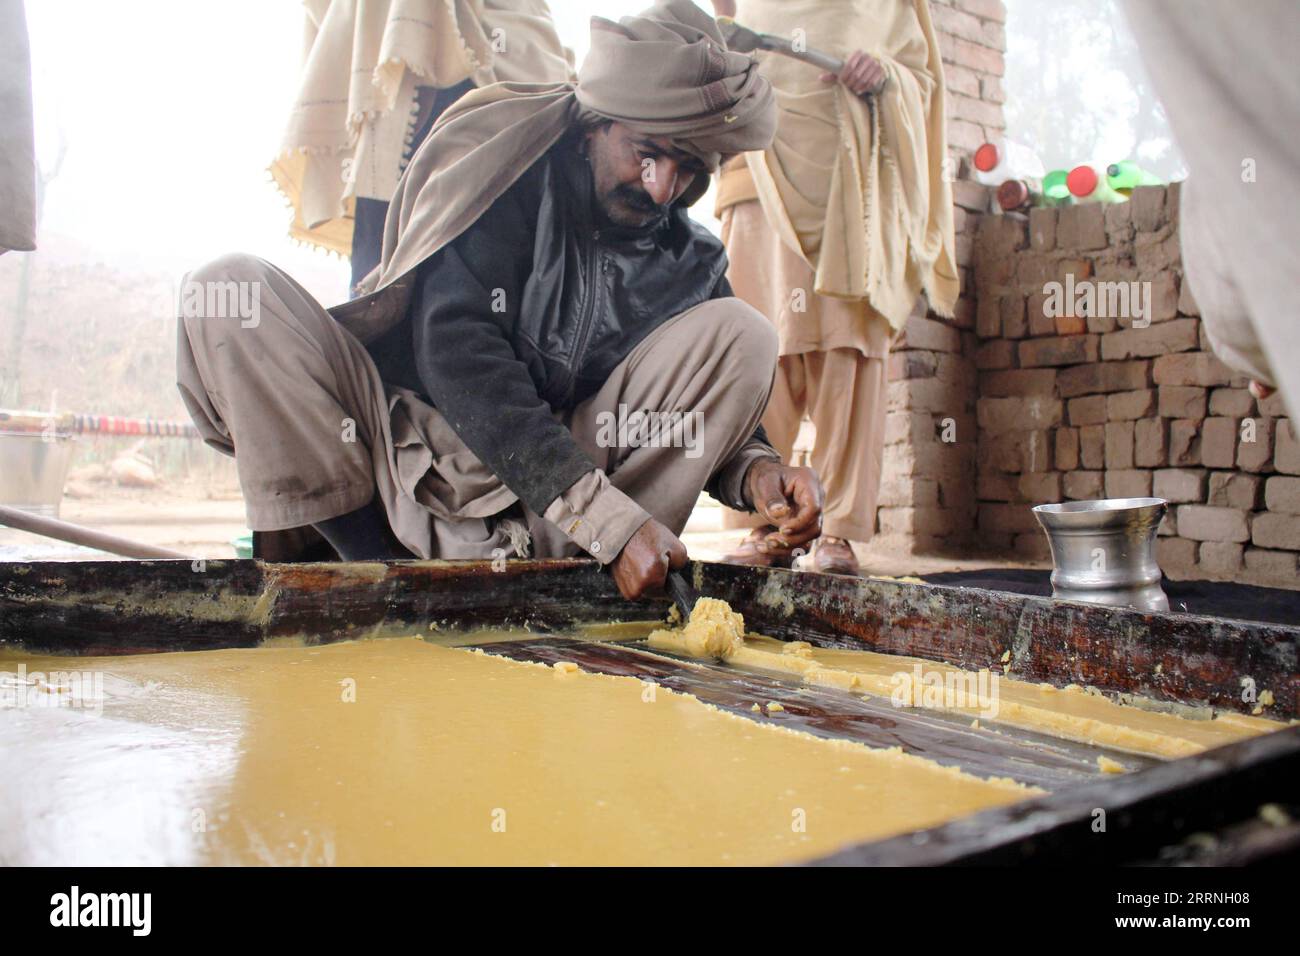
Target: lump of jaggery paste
{"type": "Point", "coordinates": [714, 630]}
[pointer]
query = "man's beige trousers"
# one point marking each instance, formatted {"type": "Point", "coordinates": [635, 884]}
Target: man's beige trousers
{"type": "Point", "coordinates": [832, 368]}
{"type": "Point", "coordinates": [315, 433]}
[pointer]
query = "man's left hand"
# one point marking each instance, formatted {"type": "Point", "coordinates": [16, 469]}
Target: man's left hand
{"type": "Point", "coordinates": [789, 498]}
{"type": "Point", "coordinates": [861, 73]}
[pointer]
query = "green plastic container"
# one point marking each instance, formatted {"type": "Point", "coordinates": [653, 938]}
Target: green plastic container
{"type": "Point", "coordinates": [243, 545]}
{"type": "Point", "coordinates": [1126, 175]}
{"type": "Point", "coordinates": [1055, 190]}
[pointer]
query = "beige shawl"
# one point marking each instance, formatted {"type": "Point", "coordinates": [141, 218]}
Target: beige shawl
{"type": "Point", "coordinates": [860, 193]}
{"type": "Point", "coordinates": [17, 138]}
{"type": "Point", "coordinates": [666, 72]}
{"type": "Point", "coordinates": [363, 59]}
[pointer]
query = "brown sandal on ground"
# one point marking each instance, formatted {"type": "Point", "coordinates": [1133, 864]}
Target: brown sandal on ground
{"type": "Point", "coordinates": [834, 556]}
{"type": "Point", "coordinates": [749, 554]}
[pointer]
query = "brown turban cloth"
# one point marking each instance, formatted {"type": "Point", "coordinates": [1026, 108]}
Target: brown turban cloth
{"type": "Point", "coordinates": [666, 72]}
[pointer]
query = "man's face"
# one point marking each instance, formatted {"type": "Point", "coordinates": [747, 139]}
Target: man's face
{"type": "Point", "coordinates": [638, 177]}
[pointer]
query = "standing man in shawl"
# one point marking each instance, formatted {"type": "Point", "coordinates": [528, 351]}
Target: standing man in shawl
{"type": "Point", "coordinates": [376, 76]}
{"type": "Point", "coordinates": [833, 231]}
{"type": "Point", "coordinates": [541, 297]}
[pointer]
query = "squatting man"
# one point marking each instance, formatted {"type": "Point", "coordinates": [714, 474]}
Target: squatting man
{"type": "Point", "coordinates": [539, 271]}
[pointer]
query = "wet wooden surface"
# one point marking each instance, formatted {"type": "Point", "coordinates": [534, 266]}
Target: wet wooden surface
{"type": "Point", "coordinates": [133, 607]}
{"type": "Point", "coordinates": [1142, 816]}
{"type": "Point", "coordinates": [996, 751]}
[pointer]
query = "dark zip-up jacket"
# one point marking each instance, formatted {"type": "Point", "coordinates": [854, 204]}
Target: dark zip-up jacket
{"type": "Point", "coordinates": [529, 311]}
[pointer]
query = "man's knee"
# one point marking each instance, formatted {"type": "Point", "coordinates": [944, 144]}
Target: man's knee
{"type": "Point", "coordinates": [750, 340]}
{"type": "Point", "coordinates": [223, 294]}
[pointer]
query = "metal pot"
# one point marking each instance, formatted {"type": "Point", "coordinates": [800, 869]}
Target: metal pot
{"type": "Point", "coordinates": [1104, 551]}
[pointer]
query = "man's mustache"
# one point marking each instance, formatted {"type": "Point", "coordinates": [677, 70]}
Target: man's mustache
{"type": "Point", "coordinates": [639, 200]}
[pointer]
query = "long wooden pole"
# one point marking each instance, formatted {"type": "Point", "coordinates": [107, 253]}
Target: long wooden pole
{"type": "Point", "coordinates": [77, 534]}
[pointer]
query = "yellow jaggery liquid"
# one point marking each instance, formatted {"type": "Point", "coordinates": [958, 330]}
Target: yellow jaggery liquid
{"type": "Point", "coordinates": [399, 751]}
{"type": "Point", "coordinates": [1069, 714]}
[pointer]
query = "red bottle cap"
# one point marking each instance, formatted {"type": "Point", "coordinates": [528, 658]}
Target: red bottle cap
{"type": "Point", "coordinates": [986, 157]}
{"type": "Point", "coordinates": [1013, 194]}
{"type": "Point", "coordinates": [1082, 180]}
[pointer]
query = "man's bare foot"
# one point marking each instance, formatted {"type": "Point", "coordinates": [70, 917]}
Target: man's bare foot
{"type": "Point", "coordinates": [750, 551]}
{"type": "Point", "coordinates": [834, 556]}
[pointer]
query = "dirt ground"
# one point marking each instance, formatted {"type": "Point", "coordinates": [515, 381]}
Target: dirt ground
{"type": "Point", "coordinates": [203, 519]}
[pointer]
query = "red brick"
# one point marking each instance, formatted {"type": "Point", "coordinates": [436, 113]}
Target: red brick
{"type": "Point", "coordinates": [995, 486]}
{"type": "Point", "coordinates": [965, 53]}
{"type": "Point", "coordinates": [1058, 350]}
{"type": "Point", "coordinates": [1126, 406]}
{"type": "Point", "coordinates": [1042, 229]}
{"type": "Point", "coordinates": [1179, 485]}
{"type": "Point", "coordinates": [1228, 489]}
{"type": "Point", "coordinates": [998, 415]}
{"type": "Point", "coordinates": [1219, 442]}
{"type": "Point", "coordinates": [1184, 442]}
{"type": "Point", "coordinates": [1231, 402]}
{"type": "Point", "coordinates": [1191, 368]}
{"type": "Point", "coordinates": [988, 316]}
{"type": "Point", "coordinates": [1163, 303]}
{"type": "Point", "coordinates": [1040, 487]}
{"type": "Point", "coordinates": [1092, 446]}
{"type": "Point", "coordinates": [1104, 377]}
{"type": "Point", "coordinates": [923, 333]}
{"type": "Point", "coordinates": [1272, 567]}
{"type": "Point", "coordinates": [1281, 531]}
{"type": "Point", "coordinates": [1089, 410]}
{"type": "Point", "coordinates": [1202, 523]}
{"type": "Point", "coordinates": [966, 193]}
{"type": "Point", "coordinates": [1178, 335]}
{"type": "Point", "coordinates": [1282, 493]}
{"type": "Point", "coordinates": [1176, 556]}
{"type": "Point", "coordinates": [985, 9]}
{"type": "Point", "coordinates": [1256, 455]}
{"type": "Point", "coordinates": [1220, 557]}
{"type": "Point", "coordinates": [1148, 204]}
{"type": "Point", "coordinates": [991, 89]}
{"type": "Point", "coordinates": [1286, 451]}
{"type": "Point", "coordinates": [1150, 443]}
{"type": "Point", "coordinates": [1128, 484]}
{"type": "Point", "coordinates": [1084, 485]}
{"type": "Point", "coordinates": [960, 79]}
{"type": "Point", "coordinates": [1012, 309]}
{"type": "Point", "coordinates": [975, 110]}
{"type": "Point", "coordinates": [1015, 382]}
{"type": "Point", "coordinates": [1067, 449]}
{"type": "Point", "coordinates": [1157, 252]}
{"type": "Point", "coordinates": [999, 353]}
{"type": "Point", "coordinates": [1182, 401]}
{"type": "Point", "coordinates": [1119, 445]}
{"type": "Point", "coordinates": [1081, 227]}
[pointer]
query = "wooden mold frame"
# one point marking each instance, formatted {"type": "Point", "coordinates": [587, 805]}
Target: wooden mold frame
{"type": "Point", "coordinates": [115, 607]}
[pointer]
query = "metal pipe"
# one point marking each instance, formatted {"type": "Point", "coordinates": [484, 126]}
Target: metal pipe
{"type": "Point", "coordinates": [77, 534]}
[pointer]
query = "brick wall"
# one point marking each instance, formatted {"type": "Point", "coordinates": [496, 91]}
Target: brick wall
{"type": "Point", "coordinates": [927, 496]}
{"type": "Point", "coordinates": [1004, 406]}
{"type": "Point", "coordinates": [1074, 407]}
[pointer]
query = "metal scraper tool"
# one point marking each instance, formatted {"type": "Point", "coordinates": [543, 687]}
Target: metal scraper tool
{"type": "Point", "coordinates": [683, 595]}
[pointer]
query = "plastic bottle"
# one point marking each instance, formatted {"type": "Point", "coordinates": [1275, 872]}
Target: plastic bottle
{"type": "Point", "coordinates": [1087, 186]}
{"type": "Point", "coordinates": [1056, 190]}
{"type": "Point", "coordinates": [1126, 175]}
{"type": "Point", "coordinates": [996, 162]}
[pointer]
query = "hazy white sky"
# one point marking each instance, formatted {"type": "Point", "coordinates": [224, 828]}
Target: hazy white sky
{"type": "Point", "coordinates": [172, 110]}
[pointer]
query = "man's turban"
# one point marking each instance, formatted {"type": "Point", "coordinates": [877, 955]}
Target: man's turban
{"type": "Point", "coordinates": [668, 72]}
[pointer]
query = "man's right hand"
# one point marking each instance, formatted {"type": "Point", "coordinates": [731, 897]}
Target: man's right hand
{"type": "Point", "coordinates": [641, 568]}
